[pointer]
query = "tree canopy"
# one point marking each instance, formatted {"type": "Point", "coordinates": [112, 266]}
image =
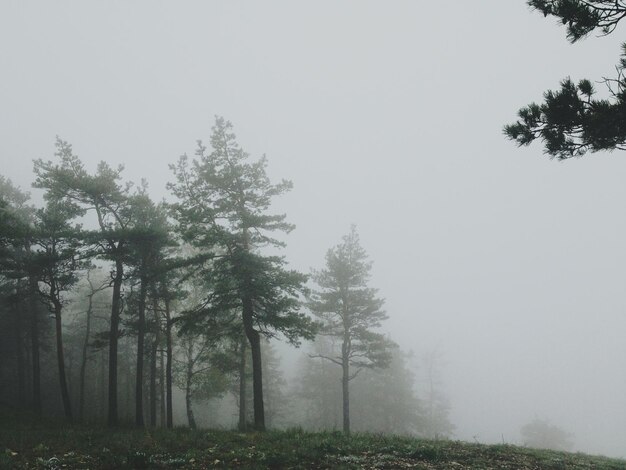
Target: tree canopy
{"type": "Point", "coordinates": [574, 119]}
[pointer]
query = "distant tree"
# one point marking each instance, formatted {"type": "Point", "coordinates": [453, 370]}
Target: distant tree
{"type": "Point", "coordinates": [223, 200]}
{"type": "Point", "coordinates": [436, 406]}
{"type": "Point", "coordinates": [541, 434]}
{"type": "Point", "coordinates": [197, 373]}
{"type": "Point", "coordinates": [93, 289]}
{"type": "Point", "coordinates": [573, 121]}
{"type": "Point", "coordinates": [386, 400]}
{"type": "Point", "coordinates": [350, 311]}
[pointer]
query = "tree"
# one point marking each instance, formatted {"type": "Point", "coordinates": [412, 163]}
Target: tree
{"type": "Point", "coordinates": [541, 434]}
{"type": "Point", "coordinates": [435, 421]}
{"type": "Point", "coordinates": [573, 120]}
{"type": "Point", "coordinates": [223, 200]}
{"type": "Point", "coordinates": [56, 246]}
{"type": "Point", "coordinates": [68, 182]}
{"type": "Point", "coordinates": [197, 373]}
{"type": "Point", "coordinates": [147, 239]}
{"type": "Point", "coordinates": [350, 311]}
{"type": "Point", "coordinates": [19, 279]}
{"type": "Point", "coordinates": [93, 290]}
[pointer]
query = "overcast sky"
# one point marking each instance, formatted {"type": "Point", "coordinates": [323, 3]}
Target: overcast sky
{"type": "Point", "coordinates": [384, 114]}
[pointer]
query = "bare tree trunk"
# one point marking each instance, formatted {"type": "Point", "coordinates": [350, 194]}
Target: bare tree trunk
{"type": "Point", "coordinates": [19, 349]}
{"type": "Point", "coordinates": [83, 363]}
{"type": "Point", "coordinates": [102, 385]}
{"type": "Point", "coordinates": [153, 360]}
{"type": "Point", "coordinates": [257, 373]}
{"type": "Point", "coordinates": [243, 412]}
{"type": "Point", "coordinates": [67, 406]}
{"type": "Point", "coordinates": [188, 383]}
{"type": "Point", "coordinates": [113, 341]}
{"type": "Point", "coordinates": [141, 331]}
{"type": "Point", "coordinates": [168, 364]}
{"type": "Point", "coordinates": [162, 388]}
{"type": "Point", "coordinates": [345, 385]}
{"type": "Point", "coordinates": [34, 338]}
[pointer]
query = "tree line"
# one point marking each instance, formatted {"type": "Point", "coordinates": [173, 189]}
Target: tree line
{"type": "Point", "coordinates": [139, 299]}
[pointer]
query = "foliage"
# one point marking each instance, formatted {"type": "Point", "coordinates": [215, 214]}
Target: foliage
{"type": "Point", "coordinates": [349, 309]}
{"type": "Point", "coordinates": [583, 16]}
{"type": "Point", "coordinates": [223, 199]}
{"type": "Point", "coordinates": [222, 203]}
{"type": "Point", "coordinates": [574, 120]}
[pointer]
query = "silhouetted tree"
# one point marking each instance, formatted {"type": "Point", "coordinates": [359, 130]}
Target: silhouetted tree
{"type": "Point", "coordinates": [573, 121]}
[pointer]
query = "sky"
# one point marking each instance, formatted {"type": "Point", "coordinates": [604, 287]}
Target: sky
{"type": "Point", "coordinates": [387, 115]}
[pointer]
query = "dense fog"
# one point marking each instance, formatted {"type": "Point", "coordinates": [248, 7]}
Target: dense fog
{"type": "Point", "coordinates": [503, 266]}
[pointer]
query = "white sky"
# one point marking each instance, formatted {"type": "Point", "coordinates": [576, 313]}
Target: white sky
{"type": "Point", "coordinates": [384, 114]}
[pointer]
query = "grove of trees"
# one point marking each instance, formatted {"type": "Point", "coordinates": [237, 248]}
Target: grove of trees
{"type": "Point", "coordinates": [116, 308]}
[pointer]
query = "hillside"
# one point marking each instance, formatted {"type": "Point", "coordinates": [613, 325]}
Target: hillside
{"type": "Point", "coordinates": [24, 444]}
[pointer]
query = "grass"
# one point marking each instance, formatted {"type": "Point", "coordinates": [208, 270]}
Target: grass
{"type": "Point", "coordinates": [27, 444]}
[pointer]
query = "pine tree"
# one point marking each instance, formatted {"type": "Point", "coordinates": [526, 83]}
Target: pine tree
{"type": "Point", "coordinates": [573, 120]}
{"type": "Point", "coordinates": [350, 311]}
{"type": "Point", "coordinates": [223, 199]}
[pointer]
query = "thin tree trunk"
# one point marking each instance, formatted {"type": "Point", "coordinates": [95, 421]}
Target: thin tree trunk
{"type": "Point", "coordinates": [162, 388]}
{"type": "Point", "coordinates": [168, 364]}
{"type": "Point", "coordinates": [189, 378]}
{"type": "Point", "coordinates": [243, 418]}
{"type": "Point", "coordinates": [141, 330]}
{"type": "Point", "coordinates": [153, 360]}
{"type": "Point", "coordinates": [153, 387]}
{"type": "Point", "coordinates": [19, 349]}
{"type": "Point", "coordinates": [103, 382]}
{"type": "Point", "coordinates": [65, 395]}
{"type": "Point", "coordinates": [345, 379]}
{"type": "Point", "coordinates": [34, 338]}
{"type": "Point", "coordinates": [83, 363]}
{"type": "Point", "coordinates": [113, 341]}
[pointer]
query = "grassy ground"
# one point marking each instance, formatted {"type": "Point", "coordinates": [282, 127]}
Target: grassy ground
{"type": "Point", "coordinates": [25, 444]}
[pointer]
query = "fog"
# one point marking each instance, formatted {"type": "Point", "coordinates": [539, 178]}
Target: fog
{"type": "Point", "coordinates": [387, 115]}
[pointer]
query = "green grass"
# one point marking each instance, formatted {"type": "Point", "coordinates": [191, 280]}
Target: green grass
{"type": "Point", "coordinates": [27, 444]}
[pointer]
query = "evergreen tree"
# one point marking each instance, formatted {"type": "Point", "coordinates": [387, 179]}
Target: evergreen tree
{"type": "Point", "coordinates": [350, 311]}
{"type": "Point", "coordinates": [222, 202]}
{"type": "Point", "coordinates": [68, 182]}
{"type": "Point", "coordinates": [573, 120]}
{"type": "Point", "coordinates": [55, 262]}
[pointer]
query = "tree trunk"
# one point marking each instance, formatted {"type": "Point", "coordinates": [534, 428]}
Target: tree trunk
{"type": "Point", "coordinates": [345, 379]}
{"type": "Point", "coordinates": [141, 331]}
{"type": "Point", "coordinates": [83, 363]}
{"type": "Point", "coordinates": [162, 388]}
{"type": "Point", "coordinates": [188, 383]}
{"type": "Point", "coordinates": [257, 372]}
{"type": "Point", "coordinates": [65, 395]}
{"type": "Point", "coordinates": [34, 339]}
{"type": "Point", "coordinates": [153, 360]}
{"type": "Point", "coordinates": [168, 363]}
{"type": "Point", "coordinates": [19, 349]}
{"type": "Point", "coordinates": [243, 412]}
{"type": "Point", "coordinates": [103, 382]}
{"type": "Point", "coordinates": [113, 340]}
